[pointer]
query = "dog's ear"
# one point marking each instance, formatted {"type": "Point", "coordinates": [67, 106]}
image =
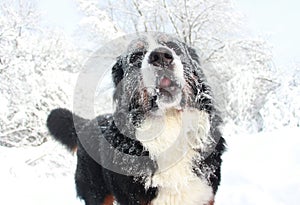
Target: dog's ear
{"type": "Point", "coordinates": [117, 71]}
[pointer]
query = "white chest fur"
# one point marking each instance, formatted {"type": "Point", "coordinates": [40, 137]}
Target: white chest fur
{"type": "Point", "coordinates": [171, 139]}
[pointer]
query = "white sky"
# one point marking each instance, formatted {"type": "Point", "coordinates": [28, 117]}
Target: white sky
{"type": "Point", "coordinates": [274, 20]}
{"type": "Point", "coordinates": [278, 22]}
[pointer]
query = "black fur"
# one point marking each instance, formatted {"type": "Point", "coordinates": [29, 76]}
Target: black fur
{"type": "Point", "coordinates": [107, 143]}
{"type": "Point", "coordinates": [61, 126]}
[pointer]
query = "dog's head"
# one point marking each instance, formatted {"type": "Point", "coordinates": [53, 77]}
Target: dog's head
{"type": "Point", "coordinates": [156, 73]}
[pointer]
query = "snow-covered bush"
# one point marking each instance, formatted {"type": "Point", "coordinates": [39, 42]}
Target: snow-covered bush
{"type": "Point", "coordinates": [34, 67]}
{"type": "Point", "coordinates": [283, 106]}
{"type": "Point", "coordinates": [242, 76]}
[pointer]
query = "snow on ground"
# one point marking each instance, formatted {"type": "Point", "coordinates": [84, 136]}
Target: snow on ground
{"type": "Point", "coordinates": [41, 175]}
{"type": "Point", "coordinates": [261, 169]}
{"type": "Point", "coordinates": [258, 169]}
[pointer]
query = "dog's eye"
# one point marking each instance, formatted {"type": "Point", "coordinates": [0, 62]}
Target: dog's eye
{"type": "Point", "coordinates": [136, 57]}
{"type": "Point", "coordinates": [174, 47]}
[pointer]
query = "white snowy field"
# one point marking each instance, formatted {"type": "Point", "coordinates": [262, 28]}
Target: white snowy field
{"type": "Point", "coordinates": [261, 169]}
{"type": "Point", "coordinates": [37, 176]}
{"type": "Point", "coordinates": [258, 169]}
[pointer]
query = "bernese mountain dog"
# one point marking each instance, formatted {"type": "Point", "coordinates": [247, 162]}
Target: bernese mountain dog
{"type": "Point", "coordinates": [162, 144]}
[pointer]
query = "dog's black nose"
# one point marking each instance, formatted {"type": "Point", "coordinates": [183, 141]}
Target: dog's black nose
{"type": "Point", "coordinates": [161, 57]}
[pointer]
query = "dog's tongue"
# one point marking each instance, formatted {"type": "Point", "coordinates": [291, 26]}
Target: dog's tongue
{"type": "Point", "coordinates": [165, 82]}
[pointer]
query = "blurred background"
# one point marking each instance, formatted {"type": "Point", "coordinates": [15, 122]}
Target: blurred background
{"type": "Point", "coordinates": [249, 51]}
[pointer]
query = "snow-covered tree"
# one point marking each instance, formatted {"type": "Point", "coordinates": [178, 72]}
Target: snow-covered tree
{"type": "Point", "coordinates": [240, 69]}
{"type": "Point", "coordinates": [197, 22]}
{"type": "Point", "coordinates": [32, 59]}
{"type": "Point", "coordinates": [242, 73]}
{"type": "Point", "coordinates": [95, 27]}
{"type": "Point", "coordinates": [283, 106]}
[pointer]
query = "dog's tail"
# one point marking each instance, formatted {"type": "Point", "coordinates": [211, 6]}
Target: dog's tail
{"type": "Point", "coordinates": [61, 126]}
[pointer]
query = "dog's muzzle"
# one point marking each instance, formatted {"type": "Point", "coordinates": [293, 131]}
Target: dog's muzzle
{"type": "Point", "coordinates": [167, 85]}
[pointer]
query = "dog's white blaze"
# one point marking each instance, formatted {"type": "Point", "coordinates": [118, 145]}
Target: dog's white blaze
{"type": "Point", "coordinates": [148, 75]}
{"type": "Point", "coordinates": [171, 139]}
